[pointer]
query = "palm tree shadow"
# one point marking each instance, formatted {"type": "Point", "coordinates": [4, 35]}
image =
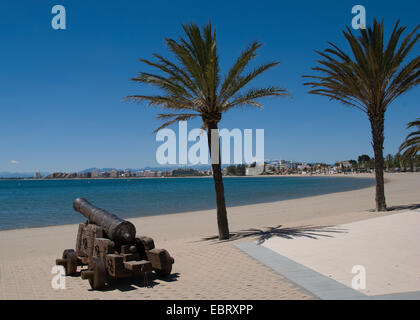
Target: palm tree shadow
{"type": "Point", "coordinates": [263, 234]}
{"type": "Point", "coordinates": [413, 206]}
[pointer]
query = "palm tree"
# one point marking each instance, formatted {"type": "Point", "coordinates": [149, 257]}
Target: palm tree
{"type": "Point", "coordinates": [369, 80]}
{"type": "Point", "coordinates": [192, 87]}
{"type": "Point", "coordinates": [411, 146]}
{"type": "Point", "coordinates": [389, 161]}
{"type": "Point", "coordinates": [397, 160]}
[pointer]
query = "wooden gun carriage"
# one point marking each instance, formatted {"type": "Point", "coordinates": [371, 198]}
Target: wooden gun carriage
{"type": "Point", "coordinates": [110, 248]}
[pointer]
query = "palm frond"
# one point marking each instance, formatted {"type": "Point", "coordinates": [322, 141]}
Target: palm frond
{"type": "Point", "coordinates": [192, 81]}
{"type": "Point", "coordinates": [175, 117]}
{"type": "Point", "coordinates": [411, 144]}
{"type": "Point", "coordinates": [414, 124]}
{"type": "Point", "coordinates": [241, 62]}
{"type": "Point", "coordinates": [374, 75]}
{"type": "Point", "coordinates": [249, 97]}
{"type": "Point", "coordinates": [241, 81]}
{"type": "Point", "coordinates": [166, 102]}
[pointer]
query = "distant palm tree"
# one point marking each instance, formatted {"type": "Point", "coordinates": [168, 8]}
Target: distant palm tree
{"type": "Point", "coordinates": [389, 160]}
{"type": "Point", "coordinates": [192, 87]}
{"type": "Point", "coordinates": [411, 146]}
{"type": "Point", "coordinates": [370, 80]}
{"type": "Point", "coordinates": [397, 160]}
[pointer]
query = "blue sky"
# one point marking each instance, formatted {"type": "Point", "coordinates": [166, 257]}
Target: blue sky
{"type": "Point", "coordinates": [61, 90]}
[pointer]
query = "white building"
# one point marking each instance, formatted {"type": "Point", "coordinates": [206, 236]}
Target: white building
{"type": "Point", "coordinates": [303, 166]}
{"type": "Point", "coordinates": [127, 173]}
{"type": "Point", "coordinates": [113, 173]}
{"type": "Point", "coordinates": [283, 164]}
{"type": "Point", "coordinates": [254, 169]}
{"type": "Point", "coordinates": [149, 173]}
{"type": "Point", "coordinates": [140, 173]}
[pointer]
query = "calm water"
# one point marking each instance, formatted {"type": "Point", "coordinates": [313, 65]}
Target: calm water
{"type": "Point", "coordinates": [33, 203]}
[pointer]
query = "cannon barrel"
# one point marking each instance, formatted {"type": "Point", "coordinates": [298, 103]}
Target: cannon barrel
{"type": "Point", "coordinates": [115, 228]}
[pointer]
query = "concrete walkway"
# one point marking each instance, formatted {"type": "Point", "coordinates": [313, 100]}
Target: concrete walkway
{"type": "Point", "coordinates": [325, 263]}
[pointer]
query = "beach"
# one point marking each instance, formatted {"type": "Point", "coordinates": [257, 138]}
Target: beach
{"type": "Point", "coordinates": [204, 268]}
{"type": "Point", "coordinates": [41, 203]}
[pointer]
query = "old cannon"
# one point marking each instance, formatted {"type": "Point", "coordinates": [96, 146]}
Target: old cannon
{"type": "Point", "coordinates": [110, 249]}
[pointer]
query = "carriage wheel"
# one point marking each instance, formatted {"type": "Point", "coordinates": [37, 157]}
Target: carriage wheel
{"type": "Point", "coordinates": [96, 273]}
{"type": "Point", "coordinates": [69, 261]}
{"type": "Point", "coordinates": [166, 264]}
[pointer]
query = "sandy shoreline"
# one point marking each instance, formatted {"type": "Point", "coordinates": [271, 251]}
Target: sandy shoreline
{"type": "Point", "coordinates": [195, 177]}
{"type": "Point", "coordinates": [359, 175]}
{"type": "Point", "coordinates": [203, 269]}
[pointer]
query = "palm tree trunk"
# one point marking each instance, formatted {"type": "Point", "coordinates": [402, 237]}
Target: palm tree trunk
{"type": "Point", "coordinates": [222, 220]}
{"type": "Point", "coordinates": [377, 126]}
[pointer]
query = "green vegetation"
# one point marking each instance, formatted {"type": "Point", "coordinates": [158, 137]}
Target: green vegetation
{"type": "Point", "coordinates": [365, 162]}
{"type": "Point", "coordinates": [238, 170]}
{"type": "Point", "coordinates": [186, 173]}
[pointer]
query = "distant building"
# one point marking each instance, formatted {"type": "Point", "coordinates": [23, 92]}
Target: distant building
{"type": "Point", "coordinates": [84, 175]}
{"type": "Point", "coordinates": [126, 174]}
{"type": "Point", "coordinates": [56, 175]}
{"type": "Point", "coordinates": [113, 173]}
{"type": "Point", "coordinates": [166, 173]}
{"type": "Point", "coordinates": [344, 164]}
{"type": "Point", "coordinates": [287, 165]}
{"type": "Point", "coordinates": [37, 175]}
{"type": "Point", "coordinates": [303, 167]}
{"type": "Point", "coordinates": [272, 168]}
{"type": "Point", "coordinates": [96, 173]}
{"type": "Point", "coordinates": [149, 173]}
{"type": "Point", "coordinates": [254, 169]}
{"type": "Point", "coordinates": [71, 175]}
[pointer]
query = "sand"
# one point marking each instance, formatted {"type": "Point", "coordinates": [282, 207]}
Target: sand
{"type": "Point", "coordinates": [204, 269]}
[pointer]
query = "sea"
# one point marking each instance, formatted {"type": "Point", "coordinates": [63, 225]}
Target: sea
{"type": "Point", "coordinates": [38, 203]}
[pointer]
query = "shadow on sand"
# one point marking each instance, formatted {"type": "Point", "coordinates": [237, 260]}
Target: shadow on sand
{"type": "Point", "coordinates": [266, 233]}
{"type": "Point", "coordinates": [133, 283]}
{"type": "Point", "coordinates": [413, 206]}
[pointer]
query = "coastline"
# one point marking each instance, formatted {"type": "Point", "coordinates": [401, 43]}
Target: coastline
{"type": "Point", "coordinates": [240, 208]}
{"type": "Point", "coordinates": [277, 195]}
{"type": "Point", "coordinates": [355, 175]}
{"type": "Point", "coordinates": [200, 265]}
